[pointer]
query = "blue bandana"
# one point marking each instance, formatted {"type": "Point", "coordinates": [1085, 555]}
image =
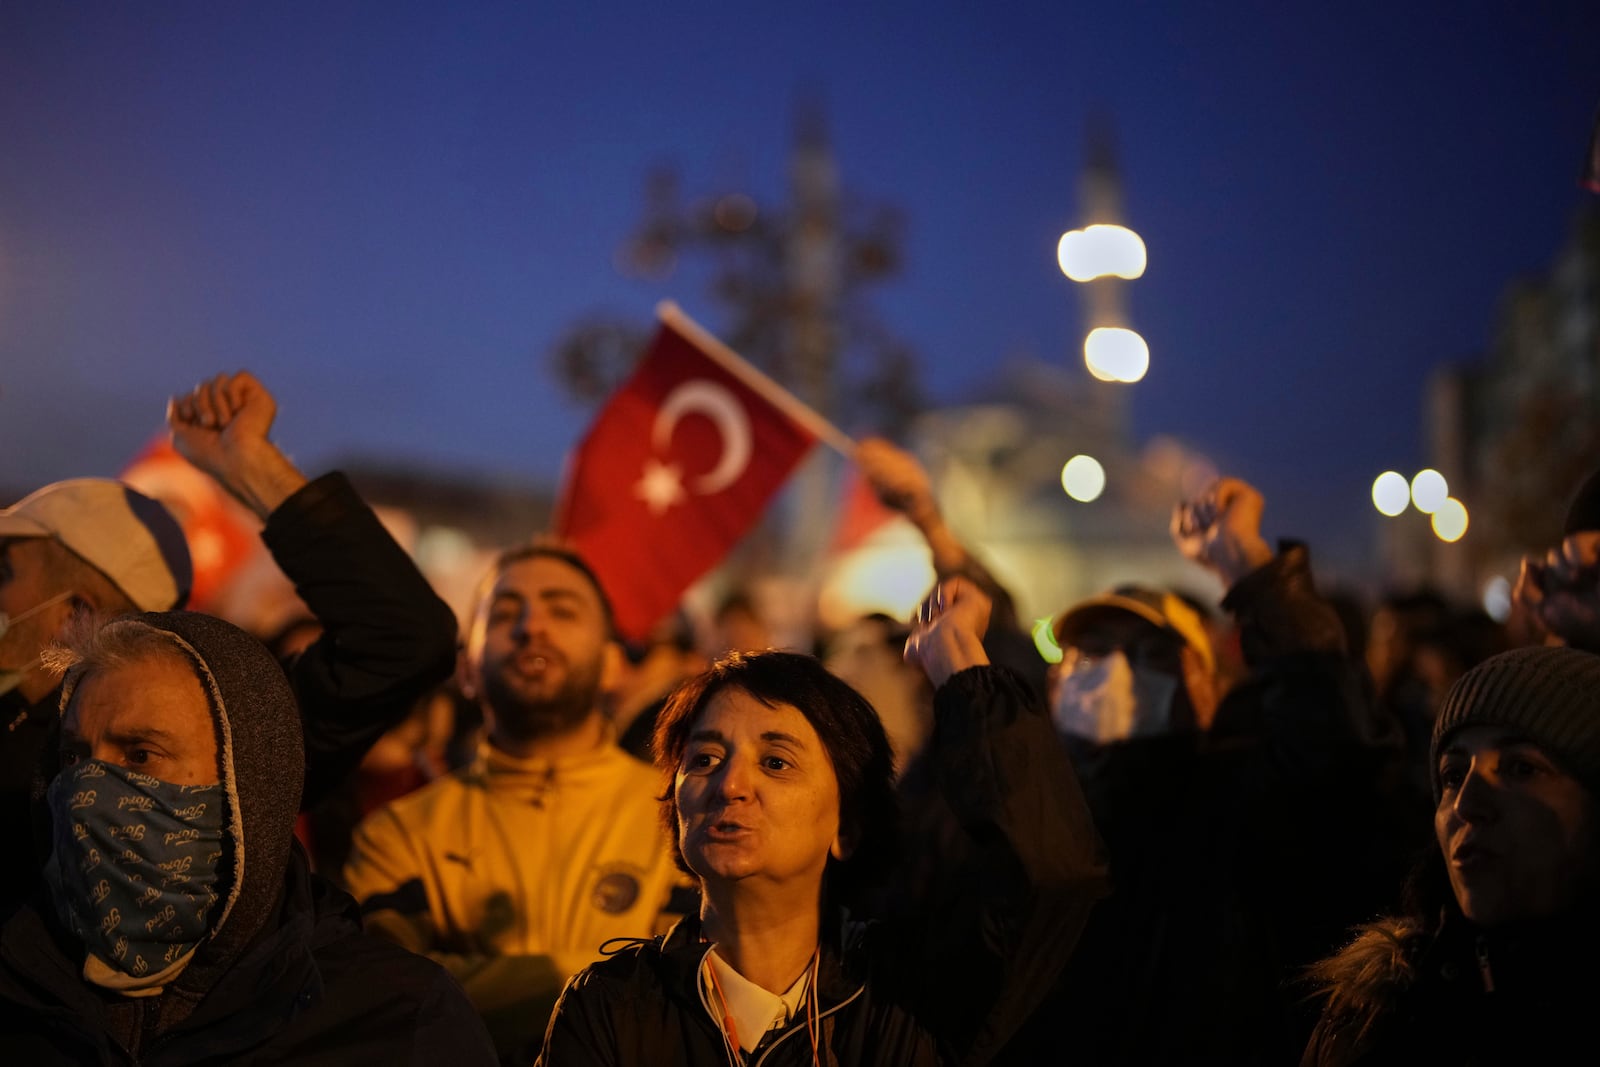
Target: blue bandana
{"type": "Point", "coordinates": [134, 869]}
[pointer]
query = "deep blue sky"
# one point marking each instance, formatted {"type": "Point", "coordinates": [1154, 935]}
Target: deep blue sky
{"type": "Point", "coordinates": [390, 210]}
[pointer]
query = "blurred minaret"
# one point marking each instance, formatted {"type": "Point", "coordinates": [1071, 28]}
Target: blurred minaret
{"type": "Point", "coordinates": [1100, 199]}
{"type": "Point", "coordinates": [813, 266]}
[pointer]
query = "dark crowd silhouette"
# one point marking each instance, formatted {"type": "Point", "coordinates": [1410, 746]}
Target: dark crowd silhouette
{"type": "Point", "coordinates": [1197, 833]}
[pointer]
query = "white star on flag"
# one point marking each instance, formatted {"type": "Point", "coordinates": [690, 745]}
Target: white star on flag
{"type": "Point", "coordinates": [661, 485]}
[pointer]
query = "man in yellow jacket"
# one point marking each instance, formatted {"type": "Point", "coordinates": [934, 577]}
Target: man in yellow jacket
{"type": "Point", "coordinates": [514, 869]}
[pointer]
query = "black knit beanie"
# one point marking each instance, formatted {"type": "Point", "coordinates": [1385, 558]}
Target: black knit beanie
{"type": "Point", "coordinates": [1584, 511]}
{"type": "Point", "coordinates": [1549, 694]}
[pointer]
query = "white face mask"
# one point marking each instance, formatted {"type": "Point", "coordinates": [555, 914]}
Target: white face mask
{"type": "Point", "coordinates": [1106, 700]}
{"type": "Point", "coordinates": [11, 677]}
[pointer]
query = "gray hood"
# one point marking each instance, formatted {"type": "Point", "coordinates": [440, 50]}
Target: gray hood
{"type": "Point", "coordinates": [262, 766]}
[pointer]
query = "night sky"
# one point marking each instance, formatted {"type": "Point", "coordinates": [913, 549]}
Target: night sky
{"type": "Point", "coordinates": [391, 211]}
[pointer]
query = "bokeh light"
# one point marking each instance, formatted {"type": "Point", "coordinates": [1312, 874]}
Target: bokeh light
{"type": "Point", "coordinates": [1450, 520]}
{"type": "Point", "coordinates": [1101, 251]}
{"type": "Point", "coordinates": [1083, 478]}
{"type": "Point", "coordinates": [891, 575]}
{"type": "Point", "coordinates": [1391, 493]}
{"type": "Point", "coordinates": [1497, 598]}
{"type": "Point", "coordinates": [1114, 354]}
{"type": "Point", "coordinates": [1429, 491]}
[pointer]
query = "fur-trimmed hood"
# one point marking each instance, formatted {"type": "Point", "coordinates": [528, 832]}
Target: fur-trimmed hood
{"type": "Point", "coordinates": [1370, 973]}
{"type": "Point", "coordinates": [1403, 992]}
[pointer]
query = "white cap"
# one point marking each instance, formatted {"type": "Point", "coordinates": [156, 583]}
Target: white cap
{"type": "Point", "coordinates": [131, 539]}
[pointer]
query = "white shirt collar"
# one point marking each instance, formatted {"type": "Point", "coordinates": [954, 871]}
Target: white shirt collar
{"type": "Point", "coordinates": [755, 1010]}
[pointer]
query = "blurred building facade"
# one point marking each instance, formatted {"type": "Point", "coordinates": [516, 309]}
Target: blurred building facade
{"type": "Point", "coordinates": [998, 463]}
{"type": "Point", "coordinates": [1516, 430]}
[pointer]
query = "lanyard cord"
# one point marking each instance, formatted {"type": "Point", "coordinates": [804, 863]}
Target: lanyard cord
{"type": "Point", "coordinates": [730, 1031]}
{"type": "Point", "coordinates": [813, 1016]}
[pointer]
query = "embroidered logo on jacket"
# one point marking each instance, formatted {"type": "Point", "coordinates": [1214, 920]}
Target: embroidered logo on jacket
{"type": "Point", "coordinates": [616, 891]}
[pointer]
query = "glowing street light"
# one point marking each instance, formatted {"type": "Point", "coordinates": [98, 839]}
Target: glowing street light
{"type": "Point", "coordinates": [1429, 491]}
{"type": "Point", "coordinates": [1083, 478]}
{"type": "Point", "coordinates": [1101, 251]}
{"type": "Point", "coordinates": [1450, 520]}
{"type": "Point", "coordinates": [1114, 354]}
{"type": "Point", "coordinates": [1391, 493]}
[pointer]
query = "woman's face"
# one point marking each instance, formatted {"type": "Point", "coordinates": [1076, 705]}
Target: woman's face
{"type": "Point", "coordinates": [1516, 831]}
{"type": "Point", "coordinates": [758, 802]}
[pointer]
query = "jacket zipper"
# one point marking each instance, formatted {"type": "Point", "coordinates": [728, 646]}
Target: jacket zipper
{"type": "Point", "coordinates": [1483, 965]}
{"type": "Point", "coordinates": [787, 1034]}
{"type": "Point", "coordinates": [781, 1038]}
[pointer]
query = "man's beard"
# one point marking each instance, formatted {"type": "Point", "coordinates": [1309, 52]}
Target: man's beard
{"type": "Point", "coordinates": [526, 719]}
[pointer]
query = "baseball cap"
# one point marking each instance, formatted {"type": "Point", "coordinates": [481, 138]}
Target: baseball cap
{"type": "Point", "coordinates": [1162, 609]}
{"type": "Point", "coordinates": [128, 537]}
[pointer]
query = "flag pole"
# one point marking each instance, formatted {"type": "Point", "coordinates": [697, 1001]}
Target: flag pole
{"type": "Point", "coordinates": [779, 397]}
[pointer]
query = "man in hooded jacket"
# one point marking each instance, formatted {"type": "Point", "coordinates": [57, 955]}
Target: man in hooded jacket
{"type": "Point", "coordinates": [181, 924]}
{"type": "Point", "coordinates": [97, 547]}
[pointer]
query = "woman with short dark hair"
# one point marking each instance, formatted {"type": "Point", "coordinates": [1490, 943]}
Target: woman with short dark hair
{"type": "Point", "coordinates": [778, 793]}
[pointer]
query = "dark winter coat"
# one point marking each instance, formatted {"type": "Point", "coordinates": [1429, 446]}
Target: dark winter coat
{"type": "Point", "coordinates": [1238, 856]}
{"type": "Point", "coordinates": [284, 975]}
{"type": "Point", "coordinates": [1402, 993]}
{"type": "Point", "coordinates": [311, 989]}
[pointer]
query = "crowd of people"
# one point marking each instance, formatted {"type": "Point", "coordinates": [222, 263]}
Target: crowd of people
{"type": "Point", "coordinates": [1201, 837]}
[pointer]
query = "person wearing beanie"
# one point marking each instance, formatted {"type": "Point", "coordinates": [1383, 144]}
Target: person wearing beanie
{"type": "Point", "coordinates": [180, 923]}
{"type": "Point", "coordinates": [1492, 959]}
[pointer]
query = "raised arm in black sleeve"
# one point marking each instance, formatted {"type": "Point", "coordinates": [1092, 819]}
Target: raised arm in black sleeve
{"type": "Point", "coordinates": [387, 637]}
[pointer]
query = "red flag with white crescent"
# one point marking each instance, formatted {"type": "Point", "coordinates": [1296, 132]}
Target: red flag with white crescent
{"type": "Point", "coordinates": [677, 467]}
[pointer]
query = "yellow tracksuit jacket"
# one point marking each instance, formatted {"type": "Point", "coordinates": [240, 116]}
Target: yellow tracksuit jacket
{"type": "Point", "coordinates": [512, 873]}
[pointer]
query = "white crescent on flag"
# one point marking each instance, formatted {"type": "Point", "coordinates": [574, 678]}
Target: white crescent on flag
{"type": "Point", "coordinates": [718, 404]}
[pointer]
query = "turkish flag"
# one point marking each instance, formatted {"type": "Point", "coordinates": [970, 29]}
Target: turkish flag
{"type": "Point", "coordinates": [677, 467]}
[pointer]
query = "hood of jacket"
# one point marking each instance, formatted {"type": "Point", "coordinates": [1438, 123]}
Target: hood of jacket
{"type": "Point", "coordinates": [1363, 978]}
{"type": "Point", "coordinates": [261, 760]}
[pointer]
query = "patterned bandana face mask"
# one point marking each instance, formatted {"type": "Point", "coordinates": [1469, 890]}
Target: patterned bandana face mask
{"type": "Point", "coordinates": [134, 869]}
